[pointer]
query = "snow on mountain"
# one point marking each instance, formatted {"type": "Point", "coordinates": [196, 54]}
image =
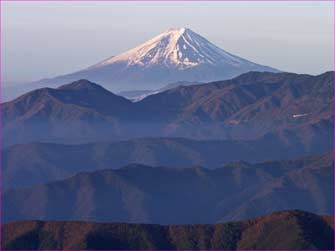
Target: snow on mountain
{"type": "Point", "coordinates": [180, 48]}
{"type": "Point", "coordinates": [175, 55]}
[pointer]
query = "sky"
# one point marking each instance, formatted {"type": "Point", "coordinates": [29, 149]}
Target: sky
{"type": "Point", "coordinates": [46, 39]}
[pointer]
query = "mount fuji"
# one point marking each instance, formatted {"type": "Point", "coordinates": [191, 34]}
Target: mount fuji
{"type": "Point", "coordinates": [178, 54]}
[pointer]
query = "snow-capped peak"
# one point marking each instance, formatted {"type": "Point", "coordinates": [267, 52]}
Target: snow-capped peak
{"type": "Point", "coordinates": [176, 47]}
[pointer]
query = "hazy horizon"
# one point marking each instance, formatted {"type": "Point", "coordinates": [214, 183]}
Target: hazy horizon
{"type": "Point", "coordinates": [45, 39]}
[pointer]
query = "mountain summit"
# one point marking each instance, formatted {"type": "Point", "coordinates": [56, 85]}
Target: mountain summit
{"type": "Point", "coordinates": [178, 54]}
{"type": "Point", "coordinates": [177, 48]}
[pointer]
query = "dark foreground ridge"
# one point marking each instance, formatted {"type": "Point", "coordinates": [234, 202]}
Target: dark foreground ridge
{"type": "Point", "coordinates": [293, 230]}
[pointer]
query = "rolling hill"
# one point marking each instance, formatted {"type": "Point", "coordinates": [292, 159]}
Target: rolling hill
{"type": "Point", "coordinates": [46, 162]}
{"type": "Point", "coordinates": [143, 194]}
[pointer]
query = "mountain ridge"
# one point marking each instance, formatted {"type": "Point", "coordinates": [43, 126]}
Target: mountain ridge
{"type": "Point", "coordinates": [142, 194]}
{"type": "Point", "coordinates": [285, 230]}
{"type": "Point", "coordinates": [44, 162]}
{"type": "Point", "coordinates": [246, 107]}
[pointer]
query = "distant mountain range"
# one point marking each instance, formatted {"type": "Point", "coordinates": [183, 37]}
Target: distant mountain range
{"type": "Point", "coordinates": [143, 194]}
{"type": "Point", "coordinates": [138, 95]}
{"type": "Point", "coordinates": [46, 162]}
{"type": "Point", "coordinates": [287, 230]}
{"type": "Point", "coordinates": [195, 135]}
{"type": "Point", "coordinates": [297, 108]}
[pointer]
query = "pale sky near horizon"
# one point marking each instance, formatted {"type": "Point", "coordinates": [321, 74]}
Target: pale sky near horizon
{"type": "Point", "coordinates": [46, 39]}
